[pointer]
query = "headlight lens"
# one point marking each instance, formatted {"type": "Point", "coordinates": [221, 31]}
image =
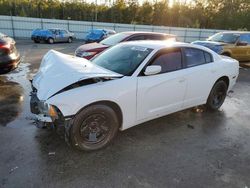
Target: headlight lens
{"type": "Point", "coordinates": [43, 108]}
{"type": "Point", "coordinates": [47, 110]}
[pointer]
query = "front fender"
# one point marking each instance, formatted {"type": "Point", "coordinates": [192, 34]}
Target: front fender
{"type": "Point", "coordinates": [121, 91]}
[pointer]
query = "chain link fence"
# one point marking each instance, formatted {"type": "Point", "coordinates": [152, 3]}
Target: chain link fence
{"type": "Point", "coordinates": [21, 27]}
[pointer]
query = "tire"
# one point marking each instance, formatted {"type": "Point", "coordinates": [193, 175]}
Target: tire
{"type": "Point", "coordinates": [93, 128]}
{"type": "Point", "coordinates": [36, 41]}
{"type": "Point", "coordinates": [217, 95]}
{"type": "Point", "coordinates": [50, 40]}
{"type": "Point", "coordinates": [70, 40]}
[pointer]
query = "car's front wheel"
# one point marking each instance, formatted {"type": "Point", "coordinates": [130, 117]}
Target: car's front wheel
{"type": "Point", "coordinates": [93, 128]}
{"type": "Point", "coordinates": [217, 95]}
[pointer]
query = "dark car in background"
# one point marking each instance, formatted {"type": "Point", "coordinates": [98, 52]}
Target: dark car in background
{"type": "Point", "coordinates": [96, 35]}
{"type": "Point", "coordinates": [52, 35]}
{"type": "Point", "coordinates": [9, 56]}
{"type": "Point", "coordinates": [235, 44]}
{"type": "Point", "coordinates": [88, 51]}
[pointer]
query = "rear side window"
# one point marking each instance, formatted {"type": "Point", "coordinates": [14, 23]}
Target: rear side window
{"type": "Point", "coordinates": [169, 61]}
{"type": "Point", "coordinates": [245, 38]}
{"type": "Point", "coordinates": [196, 57]}
{"type": "Point", "coordinates": [154, 37]}
{"type": "Point", "coordinates": [137, 37]}
{"type": "Point", "coordinates": [208, 57]}
{"type": "Point", "coordinates": [63, 32]}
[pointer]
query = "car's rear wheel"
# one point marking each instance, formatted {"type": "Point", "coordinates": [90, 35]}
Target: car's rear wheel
{"type": "Point", "coordinates": [93, 128]}
{"type": "Point", "coordinates": [217, 95]}
{"type": "Point", "coordinates": [50, 40]}
{"type": "Point", "coordinates": [70, 39]}
{"type": "Point", "coordinates": [36, 41]}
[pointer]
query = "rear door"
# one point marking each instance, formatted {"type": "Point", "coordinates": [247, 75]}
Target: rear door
{"type": "Point", "coordinates": [201, 74]}
{"type": "Point", "coordinates": [162, 93]}
{"type": "Point", "coordinates": [57, 36]}
{"type": "Point", "coordinates": [243, 52]}
{"type": "Point", "coordinates": [64, 35]}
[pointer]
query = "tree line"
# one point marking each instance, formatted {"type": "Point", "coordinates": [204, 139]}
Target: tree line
{"type": "Point", "coordinates": [214, 14]}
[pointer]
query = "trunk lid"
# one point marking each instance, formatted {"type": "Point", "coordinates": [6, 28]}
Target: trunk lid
{"type": "Point", "coordinates": [58, 71]}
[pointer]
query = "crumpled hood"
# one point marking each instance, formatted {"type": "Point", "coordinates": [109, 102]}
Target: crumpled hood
{"type": "Point", "coordinates": [91, 46]}
{"type": "Point", "coordinates": [59, 70]}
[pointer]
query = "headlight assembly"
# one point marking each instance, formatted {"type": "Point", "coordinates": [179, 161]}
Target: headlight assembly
{"type": "Point", "coordinates": [85, 54]}
{"type": "Point", "coordinates": [43, 107]}
{"type": "Point", "coordinates": [47, 110]}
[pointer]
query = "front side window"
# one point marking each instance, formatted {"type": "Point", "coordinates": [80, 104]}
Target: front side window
{"type": "Point", "coordinates": [245, 38]}
{"type": "Point", "coordinates": [169, 61]}
{"type": "Point", "coordinates": [196, 57]}
{"type": "Point", "coordinates": [122, 59]}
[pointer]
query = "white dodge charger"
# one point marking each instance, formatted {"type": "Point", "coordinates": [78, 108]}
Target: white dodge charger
{"type": "Point", "coordinates": [126, 85]}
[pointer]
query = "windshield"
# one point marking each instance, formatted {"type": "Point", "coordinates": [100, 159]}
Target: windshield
{"type": "Point", "coordinates": [114, 39]}
{"type": "Point", "coordinates": [224, 37]}
{"type": "Point", "coordinates": [122, 59]}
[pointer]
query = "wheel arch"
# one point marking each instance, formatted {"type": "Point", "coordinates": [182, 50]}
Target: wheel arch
{"type": "Point", "coordinates": [227, 53]}
{"type": "Point", "coordinates": [112, 105]}
{"type": "Point", "coordinates": [225, 79]}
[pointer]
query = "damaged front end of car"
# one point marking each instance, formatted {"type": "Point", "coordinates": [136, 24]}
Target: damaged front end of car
{"type": "Point", "coordinates": [46, 114]}
{"type": "Point", "coordinates": [59, 73]}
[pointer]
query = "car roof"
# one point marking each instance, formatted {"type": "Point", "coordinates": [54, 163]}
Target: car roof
{"type": "Point", "coordinates": [145, 32]}
{"type": "Point", "coordinates": [56, 29]}
{"type": "Point", "coordinates": [236, 32]}
{"type": "Point", "coordinates": [157, 45]}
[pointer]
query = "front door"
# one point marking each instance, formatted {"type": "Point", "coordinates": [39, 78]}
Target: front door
{"type": "Point", "coordinates": [163, 93]}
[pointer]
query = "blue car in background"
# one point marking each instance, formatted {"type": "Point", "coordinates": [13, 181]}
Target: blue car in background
{"type": "Point", "coordinates": [52, 35]}
{"type": "Point", "coordinates": [96, 35]}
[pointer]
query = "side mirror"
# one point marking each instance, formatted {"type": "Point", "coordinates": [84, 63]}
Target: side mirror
{"type": "Point", "coordinates": [152, 70]}
{"type": "Point", "coordinates": [242, 43]}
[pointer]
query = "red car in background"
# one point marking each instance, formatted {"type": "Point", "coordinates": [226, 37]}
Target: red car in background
{"type": "Point", "coordinates": [88, 51]}
{"type": "Point", "coordinates": [9, 56]}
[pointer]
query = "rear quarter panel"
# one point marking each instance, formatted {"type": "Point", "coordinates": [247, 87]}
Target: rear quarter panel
{"type": "Point", "coordinates": [229, 67]}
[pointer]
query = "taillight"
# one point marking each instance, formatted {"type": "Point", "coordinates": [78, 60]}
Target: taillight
{"type": "Point", "coordinates": [5, 49]}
